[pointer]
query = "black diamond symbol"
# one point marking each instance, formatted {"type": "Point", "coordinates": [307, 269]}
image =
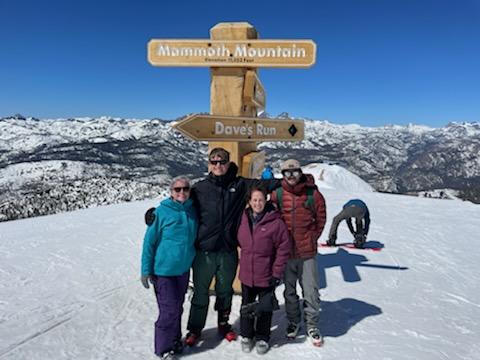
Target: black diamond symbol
{"type": "Point", "coordinates": [292, 130]}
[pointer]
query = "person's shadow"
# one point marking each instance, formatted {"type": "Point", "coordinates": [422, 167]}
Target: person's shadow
{"type": "Point", "coordinates": [348, 263]}
{"type": "Point", "coordinates": [209, 340]}
{"type": "Point", "coordinates": [336, 319]}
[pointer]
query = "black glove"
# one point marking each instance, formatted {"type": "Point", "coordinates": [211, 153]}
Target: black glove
{"type": "Point", "coordinates": [150, 216]}
{"type": "Point", "coordinates": [360, 239]}
{"type": "Point", "coordinates": [248, 310]}
{"type": "Point", "coordinates": [145, 279]}
{"type": "Point", "coordinates": [267, 303]}
{"type": "Point", "coordinates": [274, 282]}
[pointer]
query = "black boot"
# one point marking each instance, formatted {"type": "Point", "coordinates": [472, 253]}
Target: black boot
{"type": "Point", "coordinates": [224, 328]}
{"type": "Point", "coordinates": [178, 346]}
{"type": "Point", "coordinates": [359, 241]}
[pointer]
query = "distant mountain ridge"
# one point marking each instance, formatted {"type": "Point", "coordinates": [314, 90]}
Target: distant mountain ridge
{"type": "Point", "coordinates": [395, 158]}
{"type": "Point", "coordinates": [140, 156]}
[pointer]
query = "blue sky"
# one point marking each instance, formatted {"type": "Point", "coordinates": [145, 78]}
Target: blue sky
{"type": "Point", "coordinates": [378, 62]}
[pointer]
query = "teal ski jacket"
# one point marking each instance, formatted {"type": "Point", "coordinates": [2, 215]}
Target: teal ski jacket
{"type": "Point", "coordinates": [168, 245]}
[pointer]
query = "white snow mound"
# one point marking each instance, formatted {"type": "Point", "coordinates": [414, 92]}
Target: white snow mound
{"type": "Point", "coordinates": [336, 177]}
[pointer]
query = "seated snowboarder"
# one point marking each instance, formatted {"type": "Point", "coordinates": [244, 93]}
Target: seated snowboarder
{"type": "Point", "coordinates": [357, 209]}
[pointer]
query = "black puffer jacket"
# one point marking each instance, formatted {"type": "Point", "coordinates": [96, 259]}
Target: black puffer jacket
{"type": "Point", "coordinates": [219, 201]}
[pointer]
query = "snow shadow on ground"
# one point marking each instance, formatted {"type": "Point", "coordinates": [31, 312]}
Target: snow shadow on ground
{"type": "Point", "coordinates": [337, 317]}
{"type": "Point", "coordinates": [348, 262]}
{"type": "Point", "coordinates": [210, 340]}
{"type": "Point", "coordinates": [373, 244]}
{"type": "Point", "coordinates": [369, 245]}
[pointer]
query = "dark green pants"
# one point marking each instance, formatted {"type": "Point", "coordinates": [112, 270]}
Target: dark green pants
{"type": "Point", "coordinates": [222, 265]}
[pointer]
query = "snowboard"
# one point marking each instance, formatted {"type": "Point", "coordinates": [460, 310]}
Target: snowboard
{"type": "Point", "coordinates": [366, 246]}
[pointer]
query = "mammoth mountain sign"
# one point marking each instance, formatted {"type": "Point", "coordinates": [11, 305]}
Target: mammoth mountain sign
{"type": "Point", "coordinates": [232, 53]}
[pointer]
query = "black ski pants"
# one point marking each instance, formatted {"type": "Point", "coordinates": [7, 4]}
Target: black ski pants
{"type": "Point", "coordinates": [257, 327]}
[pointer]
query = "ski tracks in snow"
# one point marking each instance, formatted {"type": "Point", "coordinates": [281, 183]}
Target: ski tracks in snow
{"type": "Point", "coordinates": [44, 327]}
{"type": "Point", "coordinates": [124, 305]}
{"type": "Point", "coordinates": [109, 315]}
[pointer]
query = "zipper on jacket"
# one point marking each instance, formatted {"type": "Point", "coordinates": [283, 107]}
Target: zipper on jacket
{"type": "Point", "coordinates": [294, 208]}
{"type": "Point", "coordinates": [222, 220]}
{"type": "Point", "coordinates": [187, 223]}
{"type": "Point", "coordinates": [253, 256]}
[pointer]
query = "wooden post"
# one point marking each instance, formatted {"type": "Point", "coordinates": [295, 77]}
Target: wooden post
{"type": "Point", "coordinates": [226, 90]}
{"type": "Point", "coordinates": [235, 91]}
{"type": "Point", "coordinates": [226, 98]}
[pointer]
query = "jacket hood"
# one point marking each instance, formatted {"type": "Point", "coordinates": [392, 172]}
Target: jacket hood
{"type": "Point", "coordinates": [271, 213]}
{"type": "Point", "coordinates": [175, 205]}
{"type": "Point", "coordinates": [306, 181]}
{"type": "Point", "coordinates": [224, 180]}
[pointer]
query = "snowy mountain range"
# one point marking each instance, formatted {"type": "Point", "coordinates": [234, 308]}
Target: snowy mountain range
{"type": "Point", "coordinates": [70, 287]}
{"type": "Point", "coordinates": [53, 165]}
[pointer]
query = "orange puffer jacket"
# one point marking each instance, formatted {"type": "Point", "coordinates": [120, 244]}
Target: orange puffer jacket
{"type": "Point", "coordinates": [304, 226]}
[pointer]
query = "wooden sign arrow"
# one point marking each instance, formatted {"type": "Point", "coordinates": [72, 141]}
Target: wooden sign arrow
{"type": "Point", "coordinates": [228, 128]}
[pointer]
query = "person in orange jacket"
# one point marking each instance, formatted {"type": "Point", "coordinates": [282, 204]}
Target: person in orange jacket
{"type": "Point", "coordinates": [303, 210]}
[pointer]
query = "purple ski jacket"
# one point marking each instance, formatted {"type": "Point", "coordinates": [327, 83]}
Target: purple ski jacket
{"type": "Point", "coordinates": [265, 251]}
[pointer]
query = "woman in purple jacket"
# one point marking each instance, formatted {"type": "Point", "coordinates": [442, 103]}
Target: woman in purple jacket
{"type": "Point", "coordinates": [265, 244]}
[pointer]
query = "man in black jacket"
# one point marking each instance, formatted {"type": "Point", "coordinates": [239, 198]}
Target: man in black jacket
{"type": "Point", "coordinates": [219, 199]}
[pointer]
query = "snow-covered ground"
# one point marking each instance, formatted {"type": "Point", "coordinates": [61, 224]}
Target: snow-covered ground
{"type": "Point", "coordinates": [70, 289]}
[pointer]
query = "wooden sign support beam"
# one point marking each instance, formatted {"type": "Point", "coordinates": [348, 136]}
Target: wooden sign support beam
{"type": "Point", "coordinates": [226, 98]}
{"type": "Point", "coordinates": [226, 90]}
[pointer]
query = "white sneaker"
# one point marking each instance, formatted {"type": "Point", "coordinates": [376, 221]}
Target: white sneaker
{"type": "Point", "coordinates": [262, 347]}
{"type": "Point", "coordinates": [169, 355]}
{"type": "Point", "coordinates": [315, 337]}
{"type": "Point", "coordinates": [247, 344]}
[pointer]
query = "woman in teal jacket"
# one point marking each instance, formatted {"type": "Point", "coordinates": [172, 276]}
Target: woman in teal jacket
{"type": "Point", "coordinates": [168, 252]}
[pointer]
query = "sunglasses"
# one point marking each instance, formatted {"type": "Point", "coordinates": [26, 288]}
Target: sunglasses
{"type": "Point", "coordinates": [291, 173]}
{"type": "Point", "coordinates": [184, 188]}
{"type": "Point", "coordinates": [216, 162]}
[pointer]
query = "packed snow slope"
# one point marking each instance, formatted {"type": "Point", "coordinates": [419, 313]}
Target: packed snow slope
{"type": "Point", "coordinates": [70, 289]}
{"type": "Point", "coordinates": [336, 177]}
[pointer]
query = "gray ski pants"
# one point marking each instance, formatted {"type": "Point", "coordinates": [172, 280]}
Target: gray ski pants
{"type": "Point", "coordinates": [306, 272]}
{"type": "Point", "coordinates": [347, 213]}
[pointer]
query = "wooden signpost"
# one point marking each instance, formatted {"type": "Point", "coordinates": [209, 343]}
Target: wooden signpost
{"type": "Point", "coordinates": [237, 97]}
